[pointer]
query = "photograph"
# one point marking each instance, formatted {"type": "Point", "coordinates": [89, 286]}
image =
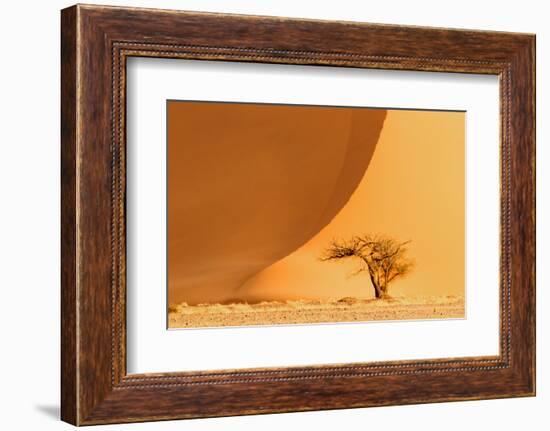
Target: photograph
{"type": "Point", "coordinates": [301, 214]}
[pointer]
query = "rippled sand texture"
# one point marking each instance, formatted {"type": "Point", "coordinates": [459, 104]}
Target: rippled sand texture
{"type": "Point", "coordinates": [337, 310]}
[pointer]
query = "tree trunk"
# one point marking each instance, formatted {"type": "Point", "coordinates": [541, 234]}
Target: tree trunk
{"type": "Point", "coordinates": [380, 290]}
{"type": "Point", "coordinates": [377, 290]}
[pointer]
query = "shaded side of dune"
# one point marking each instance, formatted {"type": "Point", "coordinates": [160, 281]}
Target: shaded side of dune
{"type": "Point", "coordinates": [248, 184]}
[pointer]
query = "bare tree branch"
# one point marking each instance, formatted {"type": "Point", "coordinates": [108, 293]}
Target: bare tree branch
{"type": "Point", "coordinates": [384, 258]}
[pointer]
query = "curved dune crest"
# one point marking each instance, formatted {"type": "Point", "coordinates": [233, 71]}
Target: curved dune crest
{"type": "Point", "coordinates": [250, 183]}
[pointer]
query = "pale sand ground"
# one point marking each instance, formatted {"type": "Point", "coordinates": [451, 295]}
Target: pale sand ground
{"type": "Point", "coordinates": [303, 311]}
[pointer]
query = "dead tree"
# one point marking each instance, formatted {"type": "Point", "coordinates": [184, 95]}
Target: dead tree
{"type": "Point", "coordinates": [384, 258]}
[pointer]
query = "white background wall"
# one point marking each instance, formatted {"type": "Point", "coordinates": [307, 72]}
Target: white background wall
{"type": "Point", "coordinates": [29, 214]}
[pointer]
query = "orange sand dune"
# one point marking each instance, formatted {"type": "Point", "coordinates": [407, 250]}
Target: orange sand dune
{"type": "Point", "coordinates": [250, 213]}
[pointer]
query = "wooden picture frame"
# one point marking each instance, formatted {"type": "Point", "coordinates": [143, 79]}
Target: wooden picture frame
{"type": "Point", "coordinates": [95, 43]}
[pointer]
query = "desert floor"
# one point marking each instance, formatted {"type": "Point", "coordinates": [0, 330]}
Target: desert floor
{"type": "Point", "coordinates": [306, 311]}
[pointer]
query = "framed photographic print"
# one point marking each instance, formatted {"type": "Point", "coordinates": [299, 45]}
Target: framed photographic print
{"type": "Point", "coordinates": [265, 214]}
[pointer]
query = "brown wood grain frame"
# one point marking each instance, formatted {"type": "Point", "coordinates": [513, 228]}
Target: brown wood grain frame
{"type": "Point", "coordinates": [96, 41]}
